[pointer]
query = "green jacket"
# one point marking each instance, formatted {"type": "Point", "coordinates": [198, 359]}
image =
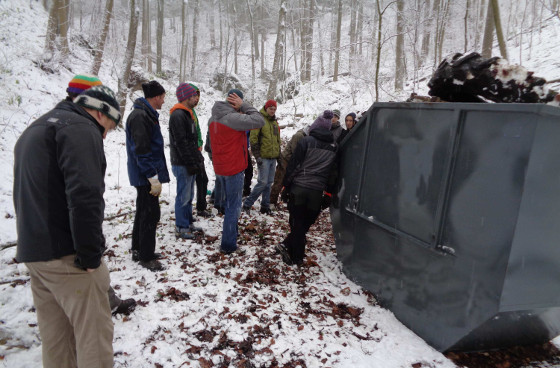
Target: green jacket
{"type": "Point", "coordinates": [265, 142]}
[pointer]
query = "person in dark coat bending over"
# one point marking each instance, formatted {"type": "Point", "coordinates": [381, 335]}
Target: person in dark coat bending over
{"type": "Point", "coordinates": [59, 171]}
{"type": "Point", "coordinates": [147, 169]}
{"type": "Point", "coordinates": [307, 176]}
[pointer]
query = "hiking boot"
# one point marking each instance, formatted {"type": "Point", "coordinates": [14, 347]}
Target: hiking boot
{"type": "Point", "coordinates": [192, 228]}
{"type": "Point", "coordinates": [266, 211]}
{"type": "Point", "coordinates": [226, 252]}
{"type": "Point", "coordinates": [126, 307]}
{"type": "Point", "coordinates": [281, 249]}
{"type": "Point", "coordinates": [204, 213]}
{"type": "Point", "coordinates": [136, 256]}
{"type": "Point", "coordinates": [153, 265]}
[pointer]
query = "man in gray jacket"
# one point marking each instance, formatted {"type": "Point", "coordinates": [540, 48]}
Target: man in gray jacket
{"type": "Point", "coordinates": [59, 170]}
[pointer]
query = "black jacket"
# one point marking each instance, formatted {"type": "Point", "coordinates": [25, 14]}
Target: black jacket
{"type": "Point", "coordinates": [312, 162]}
{"type": "Point", "coordinates": [59, 170]}
{"type": "Point", "coordinates": [183, 140]}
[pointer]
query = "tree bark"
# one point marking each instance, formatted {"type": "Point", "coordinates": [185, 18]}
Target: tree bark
{"type": "Point", "coordinates": [488, 37]}
{"type": "Point", "coordinates": [498, 26]}
{"type": "Point", "coordinates": [399, 47]}
{"type": "Point", "coordinates": [183, 57]}
{"type": "Point", "coordinates": [98, 52]}
{"type": "Point", "coordinates": [195, 36]}
{"type": "Point", "coordinates": [278, 51]}
{"type": "Point", "coordinates": [128, 56]}
{"type": "Point", "coordinates": [337, 44]}
{"type": "Point", "coordinates": [159, 36]}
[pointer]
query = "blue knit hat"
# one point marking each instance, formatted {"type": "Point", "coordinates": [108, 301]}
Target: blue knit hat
{"type": "Point", "coordinates": [236, 91]}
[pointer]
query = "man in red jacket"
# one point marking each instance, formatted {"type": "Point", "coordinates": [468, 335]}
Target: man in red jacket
{"type": "Point", "coordinates": [230, 119]}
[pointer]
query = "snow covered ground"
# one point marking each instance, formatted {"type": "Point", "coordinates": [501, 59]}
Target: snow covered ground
{"type": "Point", "coordinates": [205, 309]}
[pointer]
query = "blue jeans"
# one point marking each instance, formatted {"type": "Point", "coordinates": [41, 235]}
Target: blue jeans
{"type": "Point", "coordinates": [232, 188]}
{"type": "Point", "coordinates": [264, 183]}
{"type": "Point", "coordinates": [184, 198]}
{"type": "Point", "coordinates": [219, 194]}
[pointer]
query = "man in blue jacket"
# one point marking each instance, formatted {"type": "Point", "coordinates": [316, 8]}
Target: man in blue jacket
{"type": "Point", "coordinates": [147, 170]}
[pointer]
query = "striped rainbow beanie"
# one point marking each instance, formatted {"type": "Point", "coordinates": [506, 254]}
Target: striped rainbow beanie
{"type": "Point", "coordinates": [81, 82]}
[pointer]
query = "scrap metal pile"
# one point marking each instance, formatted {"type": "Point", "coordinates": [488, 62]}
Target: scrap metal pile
{"type": "Point", "coordinates": [472, 78]}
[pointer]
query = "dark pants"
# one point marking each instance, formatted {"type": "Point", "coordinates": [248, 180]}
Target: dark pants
{"type": "Point", "coordinates": [248, 177]}
{"type": "Point", "coordinates": [145, 223]}
{"type": "Point", "coordinates": [304, 206]}
{"type": "Point", "coordinates": [201, 190]}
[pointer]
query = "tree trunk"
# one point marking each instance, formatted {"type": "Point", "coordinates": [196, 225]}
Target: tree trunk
{"type": "Point", "coordinates": [128, 56]}
{"type": "Point", "coordinates": [159, 36]}
{"type": "Point", "coordinates": [63, 24]}
{"type": "Point", "coordinates": [399, 47]}
{"type": "Point", "coordinates": [212, 27]}
{"type": "Point", "coordinates": [360, 27]}
{"type": "Point", "coordinates": [183, 57]}
{"type": "Point", "coordinates": [254, 45]}
{"type": "Point", "coordinates": [337, 44]}
{"type": "Point", "coordinates": [98, 52]}
{"type": "Point", "coordinates": [379, 44]}
{"type": "Point", "coordinates": [195, 36]}
{"type": "Point", "coordinates": [352, 29]}
{"type": "Point", "coordinates": [498, 26]}
{"type": "Point", "coordinates": [278, 51]}
{"type": "Point", "coordinates": [466, 28]}
{"type": "Point", "coordinates": [145, 33]}
{"type": "Point", "coordinates": [149, 17]}
{"type": "Point", "coordinates": [488, 37]}
{"type": "Point", "coordinates": [52, 27]}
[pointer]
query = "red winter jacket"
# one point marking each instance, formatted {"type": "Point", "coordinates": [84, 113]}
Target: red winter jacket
{"type": "Point", "coordinates": [228, 140]}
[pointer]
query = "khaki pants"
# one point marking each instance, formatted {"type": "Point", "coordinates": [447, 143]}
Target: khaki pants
{"type": "Point", "coordinates": [73, 314]}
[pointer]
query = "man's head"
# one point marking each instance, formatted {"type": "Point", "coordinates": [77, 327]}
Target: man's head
{"type": "Point", "coordinates": [188, 95]}
{"type": "Point", "coordinates": [101, 103]}
{"type": "Point", "coordinates": [235, 98]}
{"type": "Point", "coordinates": [80, 83]}
{"type": "Point", "coordinates": [270, 107]}
{"type": "Point", "coordinates": [336, 116]}
{"type": "Point", "coordinates": [154, 93]}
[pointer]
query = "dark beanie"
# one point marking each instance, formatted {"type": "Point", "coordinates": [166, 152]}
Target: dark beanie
{"type": "Point", "coordinates": [236, 91]}
{"type": "Point", "coordinates": [100, 98]}
{"type": "Point", "coordinates": [323, 121]}
{"type": "Point", "coordinates": [352, 115]}
{"type": "Point", "coordinates": [185, 91]}
{"type": "Point", "coordinates": [152, 89]}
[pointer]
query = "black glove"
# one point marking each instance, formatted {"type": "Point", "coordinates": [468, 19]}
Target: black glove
{"type": "Point", "coordinates": [193, 170]}
{"type": "Point", "coordinates": [326, 201]}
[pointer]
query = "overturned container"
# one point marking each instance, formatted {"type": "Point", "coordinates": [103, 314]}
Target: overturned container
{"type": "Point", "coordinates": [450, 214]}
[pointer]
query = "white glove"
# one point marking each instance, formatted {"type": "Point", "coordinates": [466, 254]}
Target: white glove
{"type": "Point", "coordinates": [155, 190]}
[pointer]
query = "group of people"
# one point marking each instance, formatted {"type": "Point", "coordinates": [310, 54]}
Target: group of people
{"type": "Point", "coordinates": [59, 169]}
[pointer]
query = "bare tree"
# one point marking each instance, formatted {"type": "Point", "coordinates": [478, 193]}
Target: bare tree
{"type": "Point", "coordinates": [399, 47]}
{"type": "Point", "coordinates": [146, 36]}
{"type": "Point", "coordinates": [195, 35]}
{"type": "Point", "coordinates": [98, 52]}
{"type": "Point", "coordinates": [57, 27]}
{"type": "Point", "coordinates": [278, 51]}
{"type": "Point", "coordinates": [307, 41]}
{"type": "Point", "coordinates": [498, 26]}
{"type": "Point", "coordinates": [183, 57]}
{"type": "Point", "coordinates": [128, 56]}
{"type": "Point", "coordinates": [254, 45]}
{"type": "Point", "coordinates": [159, 36]}
{"type": "Point", "coordinates": [488, 37]}
{"type": "Point", "coordinates": [337, 44]}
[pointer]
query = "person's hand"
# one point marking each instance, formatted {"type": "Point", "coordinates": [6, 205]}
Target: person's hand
{"type": "Point", "coordinates": [235, 101]}
{"type": "Point", "coordinates": [155, 190]}
{"type": "Point", "coordinates": [90, 270]}
{"type": "Point", "coordinates": [193, 170]}
{"type": "Point", "coordinates": [259, 161]}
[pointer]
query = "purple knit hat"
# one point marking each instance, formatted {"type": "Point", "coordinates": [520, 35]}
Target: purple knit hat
{"type": "Point", "coordinates": [323, 121]}
{"type": "Point", "coordinates": [185, 91]}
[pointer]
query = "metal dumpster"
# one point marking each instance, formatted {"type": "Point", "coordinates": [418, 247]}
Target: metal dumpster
{"type": "Point", "coordinates": [450, 214]}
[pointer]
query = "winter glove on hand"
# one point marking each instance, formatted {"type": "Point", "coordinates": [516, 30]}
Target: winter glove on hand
{"type": "Point", "coordinates": [193, 170]}
{"type": "Point", "coordinates": [155, 190]}
{"type": "Point", "coordinates": [259, 161]}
